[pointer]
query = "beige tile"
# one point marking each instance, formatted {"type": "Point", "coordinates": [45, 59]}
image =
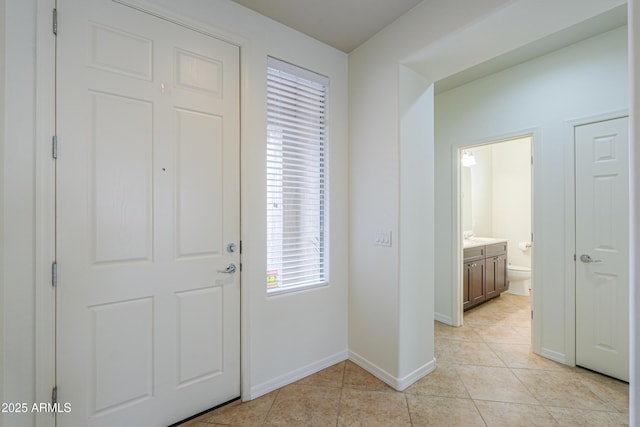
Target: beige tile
{"type": "Point", "coordinates": [357, 378]}
{"type": "Point", "coordinates": [520, 301]}
{"type": "Point", "coordinates": [588, 418]}
{"type": "Point", "coordinates": [560, 388]}
{"type": "Point", "coordinates": [519, 320]}
{"type": "Point", "coordinates": [195, 423]}
{"type": "Point", "coordinates": [454, 352]}
{"type": "Point", "coordinates": [610, 390]}
{"type": "Point", "coordinates": [373, 408]}
{"type": "Point", "coordinates": [509, 383]}
{"type": "Point", "coordinates": [246, 414]}
{"type": "Point", "coordinates": [502, 333]}
{"type": "Point", "coordinates": [462, 333]}
{"type": "Point", "coordinates": [482, 316]}
{"type": "Point", "coordinates": [203, 424]}
{"type": "Point", "coordinates": [298, 405]}
{"type": "Point", "coordinates": [443, 411]}
{"type": "Point", "coordinates": [329, 377]}
{"type": "Point", "coordinates": [495, 384]}
{"type": "Point", "coordinates": [444, 381]}
{"type": "Point", "coordinates": [502, 414]}
{"type": "Point", "coordinates": [521, 356]}
{"type": "Point", "coordinates": [505, 305]}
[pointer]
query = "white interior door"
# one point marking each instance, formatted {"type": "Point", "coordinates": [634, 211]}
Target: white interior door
{"type": "Point", "coordinates": [148, 322]}
{"type": "Point", "coordinates": [602, 247]}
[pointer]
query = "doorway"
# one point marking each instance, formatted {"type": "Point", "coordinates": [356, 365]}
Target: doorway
{"type": "Point", "coordinates": [147, 218]}
{"type": "Point", "coordinates": [496, 204]}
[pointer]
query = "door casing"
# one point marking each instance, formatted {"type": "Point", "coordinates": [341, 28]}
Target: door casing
{"type": "Point", "coordinates": [456, 308]}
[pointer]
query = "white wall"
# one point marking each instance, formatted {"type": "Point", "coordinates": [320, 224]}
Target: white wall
{"type": "Point", "coordinates": [284, 337]}
{"type": "Point", "coordinates": [634, 99]}
{"type": "Point", "coordinates": [543, 95]}
{"type": "Point", "coordinates": [2, 139]}
{"type": "Point", "coordinates": [415, 278]}
{"type": "Point", "coordinates": [501, 194]}
{"type": "Point", "coordinates": [482, 192]}
{"type": "Point", "coordinates": [381, 334]}
{"type": "Point", "coordinates": [18, 196]}
{"type": "Point", "coordinates": [511, 182]}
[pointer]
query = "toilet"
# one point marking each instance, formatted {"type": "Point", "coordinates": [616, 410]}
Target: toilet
{"type": "Point", "coordinates": [519, 278]}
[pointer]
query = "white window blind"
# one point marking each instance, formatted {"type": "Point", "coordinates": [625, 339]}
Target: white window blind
{"type": "Point", "coordinates": [297, 220]}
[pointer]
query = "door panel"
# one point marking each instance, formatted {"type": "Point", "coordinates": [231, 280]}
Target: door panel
{"type": "Point", "coordinates": [477, 278]}
{"type": "Point", "coordinates": [148, 324]}
{"type": "Point", "coordinates": [602, 247]}
{"type": "Point", "coordinates": [492, 277]}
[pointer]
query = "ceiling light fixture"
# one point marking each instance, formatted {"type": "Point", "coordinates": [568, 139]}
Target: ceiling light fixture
{"type": "Point", "coordinates": [468, 159]}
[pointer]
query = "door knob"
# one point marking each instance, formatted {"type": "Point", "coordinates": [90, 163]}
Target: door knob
{"type": "Point", "coordinates": [231, 268]}
{"type": "Point", "coordinates": [587, 259]}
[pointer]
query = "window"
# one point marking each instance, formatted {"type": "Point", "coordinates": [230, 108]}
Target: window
{"type": "Point", "coordinates": [297, 211]}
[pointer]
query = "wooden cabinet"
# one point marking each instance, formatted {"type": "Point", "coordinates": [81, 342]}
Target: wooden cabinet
{"type": "Point", "coordinates": [496, 265]}
{"type": "Point", "coordinates": [484, 273]}
{"type": "Point", "coordinates": [474, 277]}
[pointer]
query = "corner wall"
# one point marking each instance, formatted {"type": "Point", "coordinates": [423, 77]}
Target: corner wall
{"type": "Point", "coordinates": [391, 173]}
{"type": "Point", "coordinates": [436, 39]}
{"type": "Point", "coordinates": [416, 227]}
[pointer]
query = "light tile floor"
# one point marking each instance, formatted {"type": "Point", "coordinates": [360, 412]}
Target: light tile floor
{"type": "Point", "coordinates": [486, 375]}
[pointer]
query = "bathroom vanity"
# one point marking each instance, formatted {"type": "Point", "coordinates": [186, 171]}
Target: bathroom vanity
{"type": "Point", "coordinates": [484, 270]}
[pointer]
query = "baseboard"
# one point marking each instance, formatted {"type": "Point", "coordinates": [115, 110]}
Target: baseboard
{"type": "Point", "coordinates": [399, 384]}
{"type": "Point", "coordinates": [295, 375]}
{"type": "Point", "coordinates": [554, 355]}
{"type": "Point", "coordinates": [447, 320]}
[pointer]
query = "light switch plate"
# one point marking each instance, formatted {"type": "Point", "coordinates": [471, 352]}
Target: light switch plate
{"type": "Point", "coordinates": [383, 238]}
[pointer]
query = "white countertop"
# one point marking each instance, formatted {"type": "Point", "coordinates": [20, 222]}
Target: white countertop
{"type": "Point", "coordinates": [474, 242]}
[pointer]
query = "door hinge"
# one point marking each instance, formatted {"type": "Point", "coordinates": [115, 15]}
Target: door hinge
{"type": "Point", "coordinates": [531, 159]}
{"type": "Point", "coordinates": [54, 22]}
{"type": "Point", "coordinates": [531, 314]}
{"type": "Point", "coordinates": [574, 258]}
{"type": "Point", "coordinates": [54, 274]}
{"type": "Point", "coordinates": [54, 395]}
{"type": "Point", "coordinates": [54, 146]}
{"type": "Point", "coordinates": [241, 246]}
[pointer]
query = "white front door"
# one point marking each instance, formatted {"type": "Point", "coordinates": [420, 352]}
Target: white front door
{"type": "Point", "coordinates": [602, 247]}
{"type": "Point", "coordinates": [148, 321]}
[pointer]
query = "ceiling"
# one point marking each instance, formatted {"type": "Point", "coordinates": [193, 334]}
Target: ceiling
{"type": "Point", "coordinates": [346, 24]}
{"type": "Point", "coordinates": [602, 23]}
{"type": "Point", "coordinates": [343, 24]}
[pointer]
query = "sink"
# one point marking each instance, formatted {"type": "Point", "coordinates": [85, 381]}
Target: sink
{"type": "Point", "coordinates": [480, 241]}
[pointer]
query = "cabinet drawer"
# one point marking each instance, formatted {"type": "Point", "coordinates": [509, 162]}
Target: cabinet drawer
{"type": "Point", "coordinates": [471, 254]}
{"type": "Point", "coordinates": [496, 249]}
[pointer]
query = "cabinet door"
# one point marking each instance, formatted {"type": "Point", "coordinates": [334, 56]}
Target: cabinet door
{"type": "Point", "coordinates": [492, 279]}
{"type": "Point", "coordinates": [496, 275]}
{"type": "Point", "coordinates": [501, 273]}
{"type": "Point", "coordinates": [477, 292]}
{"type": "Point", "coordinates": [466, 297]}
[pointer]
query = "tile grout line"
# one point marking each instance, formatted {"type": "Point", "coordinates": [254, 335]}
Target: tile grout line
{"type": "Point", "coordinates": [266, 415]}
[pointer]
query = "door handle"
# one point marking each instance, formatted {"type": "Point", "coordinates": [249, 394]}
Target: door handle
{"type": "Point", "coordinates": [587, 259]}
{"type": "Point", "coordinates": [231, 268]}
